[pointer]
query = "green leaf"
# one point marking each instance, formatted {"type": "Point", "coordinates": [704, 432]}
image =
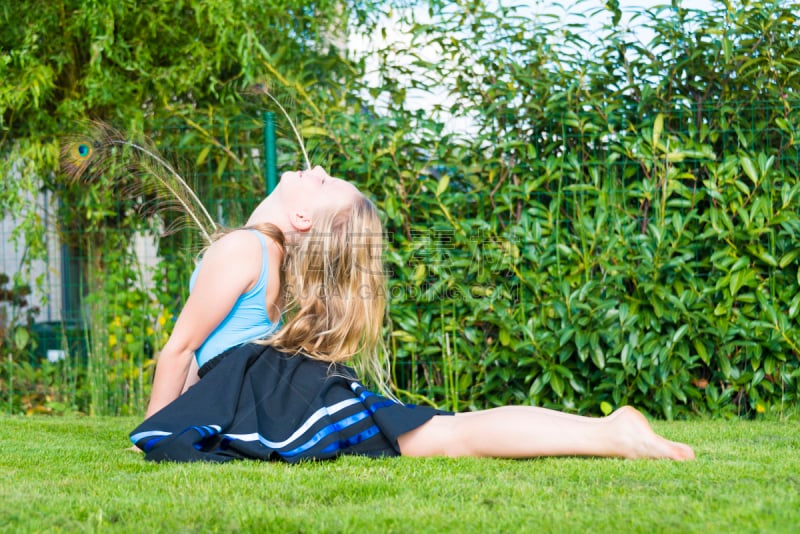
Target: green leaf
{"type": "Point", "coordinates": [767, 258]}
{"type": "Point", "coordinates": [749, 169]}
{"type": "Point", "coordinates": [788, 258]}
{"type": "Point", "coordinates": [793, 306]}
{"type": "Point", "coordinates": [724, 365]}
{"type": "Point", "coordinates": [606, 408]}
{"type": "Point", "coordinates": [21, 337]}
{"type": "Point", "coordinates": [741, 263]}
{"type": "Point", "coordinates": [419, 273]}
{"type": "Point", "coordinates": [769, 365]}
{"type": "Point", "coordinates": [741, 186]}
{"type": "Point", "coordinates": [505, 337]}
{"type": "Point", "coordinates": [676, 391]}
{"type": "Point", "coordinates": [739, 279]}
{"type": "Point", "coordinates": [201, 157]}
{"type": "Point", "coordinates": [598, 358]}
{"type": "Point", "coordinates": [444, 181]}
{"type": "Point", "coordinates": [700, 347]}
{"type": "Point", "coordinates": [314, 131]}
{"type": "Point", "coordinates": [557, 383]}
{"type": "Point", "coordinates": [658, 128]}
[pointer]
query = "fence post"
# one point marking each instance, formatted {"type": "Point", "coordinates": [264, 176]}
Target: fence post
{"type": "Point", "coordinates": [270, 152]}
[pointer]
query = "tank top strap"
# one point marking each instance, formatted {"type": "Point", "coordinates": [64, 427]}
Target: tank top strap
{"type": "Point", "coordinates": [264, 255]}
{"type": "Point", "coordinates": [263, 239]}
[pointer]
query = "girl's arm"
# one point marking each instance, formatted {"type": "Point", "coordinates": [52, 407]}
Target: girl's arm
{"type": "Point", "coordinates": [230, 267]}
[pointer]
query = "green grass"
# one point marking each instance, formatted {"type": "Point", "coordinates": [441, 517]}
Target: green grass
{"type": "Point", "coordinates": [75, 474]}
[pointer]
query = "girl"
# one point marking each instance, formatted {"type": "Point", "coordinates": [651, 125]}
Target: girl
{"type": "Point", "coordinates": [292, 397]}
{"type": "Point", "coordinates": [233, 298]}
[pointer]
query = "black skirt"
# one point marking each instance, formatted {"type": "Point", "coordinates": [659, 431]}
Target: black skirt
{"type": "Point", "coordinates": [254, 402]}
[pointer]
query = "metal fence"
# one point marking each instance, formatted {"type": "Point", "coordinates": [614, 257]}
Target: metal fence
{"type": "Point", "coordinates": [233, 163]}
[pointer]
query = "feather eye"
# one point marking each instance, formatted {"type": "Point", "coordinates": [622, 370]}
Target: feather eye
{"type": "Point", "coordinates": [141, 172]}
{"type": "Point", "coordinates": [76, 157]}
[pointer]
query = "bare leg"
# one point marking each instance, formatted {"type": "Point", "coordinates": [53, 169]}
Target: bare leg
{"type": "Point", "coordinates": [528, 431]}
{"type": "Point", "coordinates": [191, 376]}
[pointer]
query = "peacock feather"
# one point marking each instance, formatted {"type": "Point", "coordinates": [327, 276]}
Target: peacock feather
{"type": "Point", "coordinates": [262, 89]}
{"type": "Point", "coordinates": [77, 156]}
{"type": "Point", "coordinates": [140, 171]}
{"type": "Point", "coordinates": [294, 128]}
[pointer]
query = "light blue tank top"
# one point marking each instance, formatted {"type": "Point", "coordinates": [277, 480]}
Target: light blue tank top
{"type": "Point", "coordinates": [248, 319]}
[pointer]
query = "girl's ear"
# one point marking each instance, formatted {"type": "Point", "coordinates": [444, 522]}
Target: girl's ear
{"type": "Point", "coordinates": [300, 221]}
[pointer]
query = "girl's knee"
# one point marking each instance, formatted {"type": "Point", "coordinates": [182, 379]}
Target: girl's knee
{"type": "Point", "coordinates": [438, 437]}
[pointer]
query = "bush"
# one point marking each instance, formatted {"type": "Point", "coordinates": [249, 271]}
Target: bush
{"type": "Point", "coordinates": [617, 224]}
{"type": "Point", "coordinates": [621, 226]}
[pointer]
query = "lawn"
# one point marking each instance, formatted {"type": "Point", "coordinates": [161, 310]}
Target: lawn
{"type": "Point", "coordinates": [75, 474]}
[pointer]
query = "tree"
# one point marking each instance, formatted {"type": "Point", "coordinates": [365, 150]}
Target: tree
{"type": "Point", "coordinates": [142, 66]}
{"type": "Point", "coordinates": [131, 62]}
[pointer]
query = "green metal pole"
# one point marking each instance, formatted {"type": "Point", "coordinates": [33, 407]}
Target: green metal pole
{"type": "Point", "coordinates": [270, 152]}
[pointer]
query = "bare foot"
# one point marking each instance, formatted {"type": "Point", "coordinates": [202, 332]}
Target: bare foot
{"type": "Point", "coordinates": [640, 441]}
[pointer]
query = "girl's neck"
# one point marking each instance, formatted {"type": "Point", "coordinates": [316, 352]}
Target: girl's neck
{"type": "Point", "coordinates": [270, 211]}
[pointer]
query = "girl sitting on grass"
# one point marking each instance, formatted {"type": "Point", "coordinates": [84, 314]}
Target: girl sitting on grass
{"type": "Point", "coordinates": [275, 386]}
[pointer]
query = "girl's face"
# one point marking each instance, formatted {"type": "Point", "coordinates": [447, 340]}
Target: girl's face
{"type": "Point", "coordinates": [314, 190]}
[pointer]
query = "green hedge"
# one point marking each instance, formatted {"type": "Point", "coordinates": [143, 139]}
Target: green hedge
{"type": "Point", "coordinates": [617, 225]}
{"type": "Point", "coordinates": [662, 278]}
{"type": "Point", "coordinates": [659, 271]}
{"type": "Point", "coordinates": [620, 225]}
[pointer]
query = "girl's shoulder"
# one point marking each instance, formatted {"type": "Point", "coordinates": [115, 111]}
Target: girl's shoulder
{"type": "Point", "coordinates": [246, 248]}
{"type": "Point", "coordinates": [243, 240]}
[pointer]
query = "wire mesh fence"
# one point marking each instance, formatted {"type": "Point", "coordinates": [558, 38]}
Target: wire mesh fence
{"type": "Point", "coordinates": [99, 308]}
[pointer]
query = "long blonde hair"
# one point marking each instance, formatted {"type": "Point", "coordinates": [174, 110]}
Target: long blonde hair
{"type": "Point", "coordinates": [268, 229]}
{"type": "Point", "coordinates": [334, 291]}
